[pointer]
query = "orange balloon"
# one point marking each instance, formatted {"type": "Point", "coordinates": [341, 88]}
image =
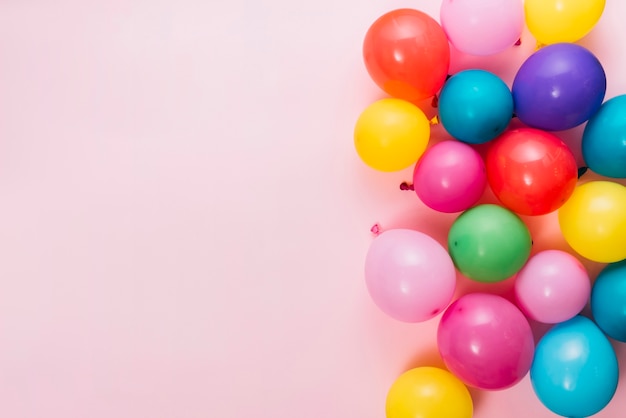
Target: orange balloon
{"type": "Point", "coordinates": [406, 53]}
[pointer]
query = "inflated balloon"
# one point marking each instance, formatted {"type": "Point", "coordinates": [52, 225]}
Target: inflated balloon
{"type": "Point", "coordinates": [608, 300]}
{"type": "Point", "coordinates": [604, 139]}
{"type": "Point", "coordinates": [552, 287]}
{"type": "Point", "coordinates": [450, 177]}
{"type": "Point", "coordinates": [531, 172]}
{"type": "Point", "coordinates": [482, 27]}
{"type": "Point", "coordinates": [575, 371]}
{"type": "Point", "coordinates": [485, 341]}
{"type": "Point", "coordinates": [409, 275]}
{"type": "Point", "coordinates": [552, 21]}
{"type": "Point", "coordinates": [475, 106]}
{"type": "Point", "coordinates": [593, 223]}
{"type": "Point", "coordinates": [391, 134]}
{"type": "Point", "coordinates": [428, 392]}
{"type": "Point", "coordinates": [489, 243]}
{"type": "Point", "coordinates": [407, 54]}
{"type": "Point", "coordinates": [558, 87]}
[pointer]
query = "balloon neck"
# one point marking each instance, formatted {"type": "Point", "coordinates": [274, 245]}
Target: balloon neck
{"type": "Point", "coordinates": [376, 229]}
{"type": "Point", "coordinates": [581, 171]}
{"type": "Point", "coordinates": [406, 186]}
{"type": "Point", "coordinates": [435, 102]}
{"type": "Point", "coordinates": [434, 120]}
{"type": "Point", "coordinates": [539, 46]}
{"type": "Point", "coordinates": [519, 42]}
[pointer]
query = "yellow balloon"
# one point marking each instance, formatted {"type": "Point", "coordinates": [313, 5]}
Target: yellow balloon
{"type": "Point", "coordinates": [552, 21]}
{"type": "Point", "coordinates": [428, 392]}
{"type": "Point", "coordinates": [593, 221]}
{"type": "Point", "coordinates": [391, 134]}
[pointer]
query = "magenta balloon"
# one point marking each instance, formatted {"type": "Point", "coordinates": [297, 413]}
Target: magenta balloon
{"type": "Point", "coordinates": [409, 275]}
{"type": "Point", "coordinates": [552, 287]}
{"type": "Point", "coordinates": [450, 177]}
{"type": "Point", "coordinates": [486, 341]}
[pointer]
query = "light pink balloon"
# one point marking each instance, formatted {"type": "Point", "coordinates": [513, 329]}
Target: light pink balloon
{"type": "Point", "coordinates": [450, 177]}
{"type": "Point", "coordinates": [552, 287]}
{"type": "Point", "coordinates": [486, 341]}
{"type": "Point", "coordinates": [409, 275]}
{"type": "Point", "coordinates": [482, 27]}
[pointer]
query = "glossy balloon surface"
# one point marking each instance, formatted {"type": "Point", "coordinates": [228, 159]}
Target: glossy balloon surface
{"type": "Point", "coordinates": [532, 172]}
{"type": "Point", "coordinates": [407, 54]}
{"type": "Point", "coordinates": [409, 275]}
{"type": "Point", "coordinates": [558, 87]}
{"type": "Point", "coordinates": [489, 243]}
{"type": "Point", "coordinates": [575, 371]}
{"type": "Point", "coordinates": [604, 139]}
{"type": "Point", "coordinates": [485, 341]}
{"type": "Point", "coordinates": [608, 300]}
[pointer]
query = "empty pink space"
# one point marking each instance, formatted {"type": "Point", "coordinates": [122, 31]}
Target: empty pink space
{"type": "Point", "coordinates": [184, 219]}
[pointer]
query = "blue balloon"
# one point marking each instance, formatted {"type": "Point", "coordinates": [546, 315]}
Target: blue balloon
{"type": "Point", "coordinates": [604, 139]}
{"type": "Point", "coordinates": [475, 106]}
{"type": "Point", "coordinates": [574, 372]}
{"type": "Point", "coordinates": [608, 300]}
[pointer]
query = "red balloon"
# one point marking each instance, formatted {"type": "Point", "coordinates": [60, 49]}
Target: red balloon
{"type": "Point", "coordinates": [532, 172]}
{"type": "Point", "coordinates": [407, 54]}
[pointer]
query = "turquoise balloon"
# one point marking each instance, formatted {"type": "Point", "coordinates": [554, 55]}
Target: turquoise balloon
{"type": "Point", "coordinates": [475, 106]}
{"type": "Point", "coordinates": [604, 139]}
{"type": "Point", "coordinates": [608, 300]}
{"type": "Point", "coordinates": [574, 372]}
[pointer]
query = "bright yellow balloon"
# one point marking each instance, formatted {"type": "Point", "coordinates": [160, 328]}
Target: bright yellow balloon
{"type": "Point", "coordinates": [552, 21]}
{"type": "Point", "coordinates": [429, 392]}
{"type": "Point", "coordinates": [391, 134]}
{"type": "Point", "coordinates": [593, 221]}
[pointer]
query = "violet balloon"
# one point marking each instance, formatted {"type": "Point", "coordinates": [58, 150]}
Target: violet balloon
{"type": "Point", "coordinates": [450, 177]}
{"type": "Point", "coordinates": [486, 341]}
{"type": "Point", "coordinates": [409, 275]}
{"type": "Point", "coordinates": [552, 287]}
{"type": "Point", "coordinates": [559, 87]}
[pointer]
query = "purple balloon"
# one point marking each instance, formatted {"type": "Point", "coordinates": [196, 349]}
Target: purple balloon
{"type": "Point", "coordinates": [559, 87]}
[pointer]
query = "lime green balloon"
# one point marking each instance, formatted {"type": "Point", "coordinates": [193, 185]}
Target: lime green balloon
{"type": "Point", "coordinates": [489, 243]}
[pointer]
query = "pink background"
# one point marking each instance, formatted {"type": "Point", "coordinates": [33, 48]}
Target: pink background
{"type": "Point", "coordinates": [183, 218]}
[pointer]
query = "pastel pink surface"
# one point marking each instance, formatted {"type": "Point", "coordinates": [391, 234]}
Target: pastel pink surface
{"type": "Point", "coordinates": [184, 219]}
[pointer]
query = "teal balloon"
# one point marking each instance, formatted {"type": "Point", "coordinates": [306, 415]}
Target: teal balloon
{"type": "Point", "coordinates": [475, 106]}
{"type": "Point", "coordinates": [574, 372]}
{"type": "Point", "coordinates": [604, 139]}
{"type": "Point", "coordinates": [608, 300]}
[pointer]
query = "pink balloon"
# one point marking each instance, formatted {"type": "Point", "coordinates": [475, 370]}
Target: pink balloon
{"type": "Point", "coordinates": [482, 27]}
{"type": "Point", "coordinates": [486, 341]}
{"type": "Point", "coordinates": [409, 275]}
{"type": "Point", "coordinates": [450, 177]}
{"type": "Point", "coordinates": [552, 287]}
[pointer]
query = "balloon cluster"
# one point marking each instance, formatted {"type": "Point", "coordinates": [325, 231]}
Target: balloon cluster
{"type": "Point", "coordinates": [484, 339]}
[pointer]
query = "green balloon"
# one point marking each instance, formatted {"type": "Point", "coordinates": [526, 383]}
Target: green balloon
{"type": "Point", "coordinates": [489, 243]}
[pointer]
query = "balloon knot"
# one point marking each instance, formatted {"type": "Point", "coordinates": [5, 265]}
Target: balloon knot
{"type": "Point", "coordinates": [406, 186]}
{"type": "Point", "coordinates": [434, 120]}
{"type": "Point", "coordinates": [519, 42]}
{"type": "Point", "coordinates": [435, 102]}
{"type": "Point", "coordinates": [581, 171]}
{"type": "Point", "coordinates": [375, 229]}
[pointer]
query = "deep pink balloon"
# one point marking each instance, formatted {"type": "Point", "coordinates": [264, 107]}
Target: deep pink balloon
{"type": "Point", "coordinates": [409, 275]}
{"type": "Point", "coordinates": [450, 177]}
{"type": "Point", "coordinates": [552, 287]}
{"type": "Point", "coordinates": [486, 341]}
